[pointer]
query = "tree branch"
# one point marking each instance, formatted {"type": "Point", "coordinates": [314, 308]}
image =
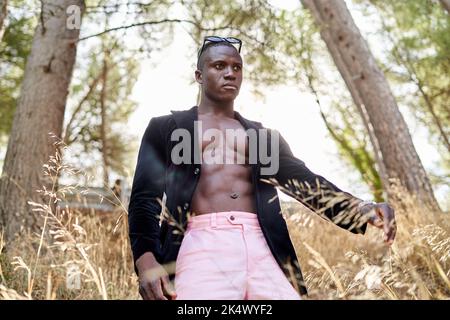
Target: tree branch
{"type": "Point", "coordinates": [68, 130]}
{"type": "Point", "coordinates": [138, 24]}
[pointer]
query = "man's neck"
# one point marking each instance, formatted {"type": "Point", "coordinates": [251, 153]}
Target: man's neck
{"type": "Point", "coordinates": [208, 107]}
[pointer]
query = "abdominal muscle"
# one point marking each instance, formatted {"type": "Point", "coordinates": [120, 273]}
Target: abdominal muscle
{"type": "Point", "coordinates": [224, 186]}
{"type": "Point", "coordinates": [216, 186]}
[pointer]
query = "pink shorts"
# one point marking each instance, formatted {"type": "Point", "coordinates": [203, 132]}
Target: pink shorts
{"type": "Point", "coordinates": [224, 256]}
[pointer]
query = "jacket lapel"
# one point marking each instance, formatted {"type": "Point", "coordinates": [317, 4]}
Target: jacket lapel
{"type": "Point", "coordinates": [247, 124]}
{"type": "Point", "coordinates": [185, 120]}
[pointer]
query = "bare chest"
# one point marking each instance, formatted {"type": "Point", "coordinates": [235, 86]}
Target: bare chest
{"type": "Point", "coordinates": [222, 141]}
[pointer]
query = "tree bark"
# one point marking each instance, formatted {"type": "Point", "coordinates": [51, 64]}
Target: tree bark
{"type": "Point", "coordinates": [446, 5]}
{"type": "Point", "coordinates": [365, 79]}
{"type": "Point", "coordinates": [103, 124]}
{"type": "Point", "coordinates": [3, 14]}
{"type": "Point", "coordinates": [40, 111]}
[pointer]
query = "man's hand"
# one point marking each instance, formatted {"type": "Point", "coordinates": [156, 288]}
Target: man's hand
{"type": "Point", "coordinates": [381, 215]}
{"type": "Point", "coordinates": [154, 283]}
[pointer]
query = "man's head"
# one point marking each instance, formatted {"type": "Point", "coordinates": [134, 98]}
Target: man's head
{"type": "Point", "coordinates": [219, 71]}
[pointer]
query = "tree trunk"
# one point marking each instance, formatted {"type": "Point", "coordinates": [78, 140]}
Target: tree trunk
{"type": "Point", "coordinates": [336, 55]}
{"type": "Point", "coordinates": [103, 124]}
{"type": "Point", "coordinates": [446, 5]}
{"type": "Point", "coordinates": [40, 111]}
{"type": "Point", "coordinates": [361, 73]}
{"type": "Point", "coordinates": [3, 14]}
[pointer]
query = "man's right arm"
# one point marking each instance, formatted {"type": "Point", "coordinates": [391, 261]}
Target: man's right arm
{"type": "Point", "coordinates": [146, 194]}
{"type": "Point", "coordinates": [144, 214]}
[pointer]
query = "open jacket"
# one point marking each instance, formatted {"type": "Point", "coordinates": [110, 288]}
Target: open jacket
{"type": "Point", "coordinates": [159, 229]}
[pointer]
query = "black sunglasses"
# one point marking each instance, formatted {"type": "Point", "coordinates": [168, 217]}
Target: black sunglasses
{"type": "Point", "coordinates": [210, 39]}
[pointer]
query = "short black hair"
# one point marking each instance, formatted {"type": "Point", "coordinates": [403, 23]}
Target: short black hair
{"type": "Point", "coordinates": [206, 47]}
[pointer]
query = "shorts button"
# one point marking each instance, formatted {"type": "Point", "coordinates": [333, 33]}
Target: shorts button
{"type": "Point", "coordinates": [231, 218]}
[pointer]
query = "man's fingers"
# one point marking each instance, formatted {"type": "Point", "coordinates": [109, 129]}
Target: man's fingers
{"type": "Point", "coordinates": [168, 288]}
{"type": "Point", "coordinates": [152, 285]}
{"type": "Point", "coordinates": [378, 222]}
{"type": "Point", "coordinates": [145, 292]}
{"type": "Point", "coordinates": [376, 218]}
{"type": "Point", "coordinates": [157, 290]}
{"type": "Point", "coordinates": [390, 226]}
{"type": "Point", "coordinates": [392, 230]}
{"type": "Point", "coordinates": [142, 293]}
{"type": "Point", "coordinates": [382, 216]}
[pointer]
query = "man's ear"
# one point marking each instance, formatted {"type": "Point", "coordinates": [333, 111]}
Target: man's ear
{"type": "Point", "coordinates": [198, 76]}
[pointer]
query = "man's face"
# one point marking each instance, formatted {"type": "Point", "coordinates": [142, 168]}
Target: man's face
{"type": "Point", "coordinates": [221, 75]}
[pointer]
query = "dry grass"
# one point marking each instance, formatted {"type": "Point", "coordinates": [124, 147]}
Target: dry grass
{"type": "Point", "coordinates": [87, 256]}
{"type": "Point", "coordinates": [82, 257]}
{"type": "Point", "coordinates": [341, 265]}
{"type": "Point", "coordinates": [76, 255]}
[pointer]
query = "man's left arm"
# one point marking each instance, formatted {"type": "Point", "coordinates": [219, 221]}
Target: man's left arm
{"type": "Point", "coordinates": [327, 200]}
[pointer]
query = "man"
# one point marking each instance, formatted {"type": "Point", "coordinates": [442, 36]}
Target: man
{"type": "Point", "coordinates": [220, 234]}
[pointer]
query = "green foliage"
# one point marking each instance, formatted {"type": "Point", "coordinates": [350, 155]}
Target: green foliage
{"type": "Point", "coordinates": [119, 52]}
{"type": "Point", "coordinates": [306, 63]}
{"type": "Point", "coordinates": [84, 121]}
{"type": "Point", "coordinates": [353, 145]}
{"type": "Point", "coordinates": [256, 22]}
{"type": "Point", "coordinates": [279, 47]}
{"type": "Point", "coordinates": [14, 49]}
{"type": "Point", "coordinates": [418, 33]}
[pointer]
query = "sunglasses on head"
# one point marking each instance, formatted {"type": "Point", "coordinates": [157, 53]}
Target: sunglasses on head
{"type": "Point", "coordinates": [210, 39]}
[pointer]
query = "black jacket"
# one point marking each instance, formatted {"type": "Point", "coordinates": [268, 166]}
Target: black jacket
{"type": "Point", "coordinates": [155, 174]}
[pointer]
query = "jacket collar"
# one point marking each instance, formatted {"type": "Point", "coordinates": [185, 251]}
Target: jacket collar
{"type": "Point", "coordinates": [185, 119]}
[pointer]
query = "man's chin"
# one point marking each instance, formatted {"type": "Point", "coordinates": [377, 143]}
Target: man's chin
{"type": "Point", "coordinates": [228, 97]}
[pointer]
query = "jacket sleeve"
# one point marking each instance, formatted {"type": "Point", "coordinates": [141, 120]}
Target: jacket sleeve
{"type": "Point", "coordinates": [315, 192]}
{"type": "Point", "coordinates": [146, 194]}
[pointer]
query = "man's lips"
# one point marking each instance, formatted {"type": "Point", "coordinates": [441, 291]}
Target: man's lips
{"type": "Point", "coordinates": [230, 87]}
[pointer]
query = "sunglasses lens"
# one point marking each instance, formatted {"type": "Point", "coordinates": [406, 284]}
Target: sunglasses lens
{"type": "Point", "coordinates": [220, 39]}
{"type": "Point", "coordinates": [233, 40]}
{"type": "Point", "coordinates": [214, 39]}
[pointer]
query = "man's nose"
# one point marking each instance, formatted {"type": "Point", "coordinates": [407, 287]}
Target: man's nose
{"type": "Point", "coordinates": [230, 73]}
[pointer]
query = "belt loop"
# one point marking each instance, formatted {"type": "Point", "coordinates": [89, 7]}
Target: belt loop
{"type": "Point", "coordinates": [214, 220]}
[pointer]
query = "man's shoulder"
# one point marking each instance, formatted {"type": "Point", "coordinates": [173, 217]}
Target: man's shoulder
{"type": "Point", "coordinates": [173, 117]}
{"type": "Point", "coordinates": [161, 119]}
{"type": "Point", "coordinates": [253, 123]}
{"type": "Point", "coordinates": [258, 124]}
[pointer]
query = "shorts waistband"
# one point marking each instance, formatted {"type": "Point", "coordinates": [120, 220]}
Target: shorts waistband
{"type": "Point", "coordinates": [215, 219]}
